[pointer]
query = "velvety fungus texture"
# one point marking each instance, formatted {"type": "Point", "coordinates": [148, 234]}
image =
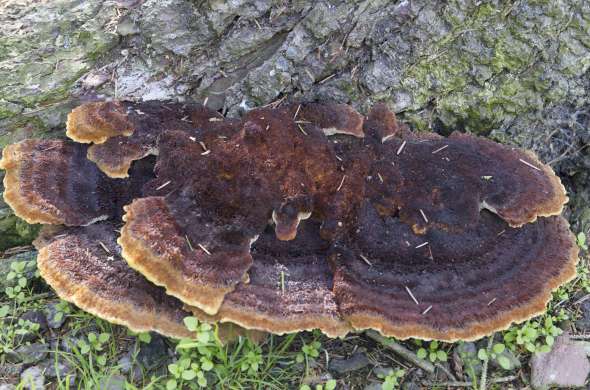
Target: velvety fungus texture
{"type": "Point", "coordinates": [291, 218]}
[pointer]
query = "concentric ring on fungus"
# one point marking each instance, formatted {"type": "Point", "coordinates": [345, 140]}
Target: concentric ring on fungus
{"type": "Point", "coordinates": [83, 265]}
{"type": "Point", "coordinates": [300, 217]}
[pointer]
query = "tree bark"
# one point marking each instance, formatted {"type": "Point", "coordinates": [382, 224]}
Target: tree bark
{"type": "Point", "coordinates": [517, 72]}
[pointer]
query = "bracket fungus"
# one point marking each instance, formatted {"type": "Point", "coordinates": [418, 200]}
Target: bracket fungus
{"type": "Point", "coordinates": [291, 218]}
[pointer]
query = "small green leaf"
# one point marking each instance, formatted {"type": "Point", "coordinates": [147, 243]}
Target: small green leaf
{"type": "Point", "coordinates": [205, 327]}
{"type": "Point", "coordinates": [101, 360]}
{"type": "Point", "coordinates": [173, 368]}
{"type": "Point", "coordinates": [103, 338]}
{"type": "Point", "coordinates": [189, 375]}
{"type": "Point", "coordinates": [191, 323]}
{"type": "Point", "coordinates": [206, 365]}
{"type": "Point", "coordinates": [421, 353]}
{"type": "Point", "coordinates": [92, 337]}
{"type": "Point", "coordinates": [4, 310]}
{"type": "Point", "coordinates": [203, 337]}
{"type": "Point", "coordinates": [305, 387]}
{"type": "Point", "coordinates": [58, 316]}
{"type": "Point", "coordinates": [331, 384]}
{"type": "Point", "coordinates": [530, 347]}
{"type": "Point", "coordinates": [544, 348]}
{"type": "Point", "coordinates": [441, 355]}
{"type": "Point", "coordinates": [432, 357]}
{"type": "Point", "coordinates": [504, 362]}
{"type": "Point", "coordinates": [482, 354]}
{"type": "Point", "coordinates": [171, 384]}
{"type": "Point", "coordinates": [144, 337]}
{"type": "Point", "coordinates": [498, 348]}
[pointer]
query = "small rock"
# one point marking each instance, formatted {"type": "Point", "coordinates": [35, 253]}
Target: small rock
{"type": "Point", "coordinates": [32, 378]}
{"type": "Point", "coordinates": [149, 356]}
{"type": "Point", "coordinates": [56, 368]}
{"type": "Point", "coordinates": [357, 361]}
{"type": "Point", "coordinates": [55, 318]}
{"type": "Point", "coordinates": [114, 382]}
{"type": "Point", "coordinates": [583, 324]}
{"type": "Point", "coordinates": [566, 365]}
{"type": "Point", "coordinates": [10, 369]}
{"type": "Point", "coordinates": [7, 386]}
{"type": "Point", "coordinates": [154, 352]}
{"type": "Point", "coordinates": [32, 353]}
{"type": "Point", "coordinates": [36, 317]}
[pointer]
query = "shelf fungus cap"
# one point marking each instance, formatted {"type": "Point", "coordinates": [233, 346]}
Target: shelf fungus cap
{"type": "Point", "coordinates": [436, 181]}
{"type": "Point", "coordinates": [288, 216]}
{"type": "Point", "coordinates": [450, 285]}
{"type": "Point", "coordinates": [123, 132]}
{"type": "Point", "coordinates": [84, 266]}
{"type": "Point", "coordinates": [289, 288]}
{"type": "Point", "coordinates": [98, 121]}
{"type": "Point", "coordinates": [198, 265]}
{"type": "Point", "coordinates": [52, 182]}
{"type": "Point", "coordinates": [381, 123]}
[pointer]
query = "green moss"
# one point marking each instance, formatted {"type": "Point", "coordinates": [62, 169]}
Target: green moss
{"type": "Point", "coordinates": [21, 128]}
{"type": "Point", "coordinates": [496, 64]}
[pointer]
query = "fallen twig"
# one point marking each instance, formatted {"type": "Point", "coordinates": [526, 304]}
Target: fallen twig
{"type": "Point", "coordinates": [401, 350]}
{"type": "Point", "coordinates": [468, 384]}
{"type": "Point", "coordinates": [484, 370]}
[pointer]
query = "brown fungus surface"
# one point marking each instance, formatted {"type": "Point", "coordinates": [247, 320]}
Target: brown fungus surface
{"type": "Point", "coordinates": [84, 266]}
{"type": "Point", "coordinates": [449, 285]}
{"type": "Point", "coordinates": [199, 266]}
{"type": "Point", "coordinates": [432, 180]}
{"type": "Point", "coordinates": [331, 119]}
{"type": "Point", "coordinates": [270, 224]}
{"type": "Point", "coordinates": [289, 288]}
{"type": "Point", "coordinates": [52, 182]}
{"type": "Point", "coordinates": [123, 132]}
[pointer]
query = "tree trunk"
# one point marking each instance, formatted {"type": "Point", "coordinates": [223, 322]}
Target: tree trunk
{"type": "Point", "coordinates": [513, 71]}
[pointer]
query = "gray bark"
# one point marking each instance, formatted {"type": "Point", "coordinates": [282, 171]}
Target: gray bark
{"type": "Point", "coordinates": [517, 72]}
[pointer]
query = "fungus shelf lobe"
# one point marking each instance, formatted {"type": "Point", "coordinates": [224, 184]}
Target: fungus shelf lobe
{"type": "Point", "coordinates": [84, 266]}
{"type": "Point", "coordinates": [52, 182]}
{"type": "Point", "coordinates": [198, 266]}
{"type": "Point", "coordinates": [225, 198]}
{"type": "Point", "coordinates": [431, 180]}
{"type": "Point", "coordinates": [449, 285]}
{"type": "Point", "coordinates": [123, 132]}
{"type": "Point", "coordinates": [413, 235]}
{"type": "Point", "coordinates": [289, 288]}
